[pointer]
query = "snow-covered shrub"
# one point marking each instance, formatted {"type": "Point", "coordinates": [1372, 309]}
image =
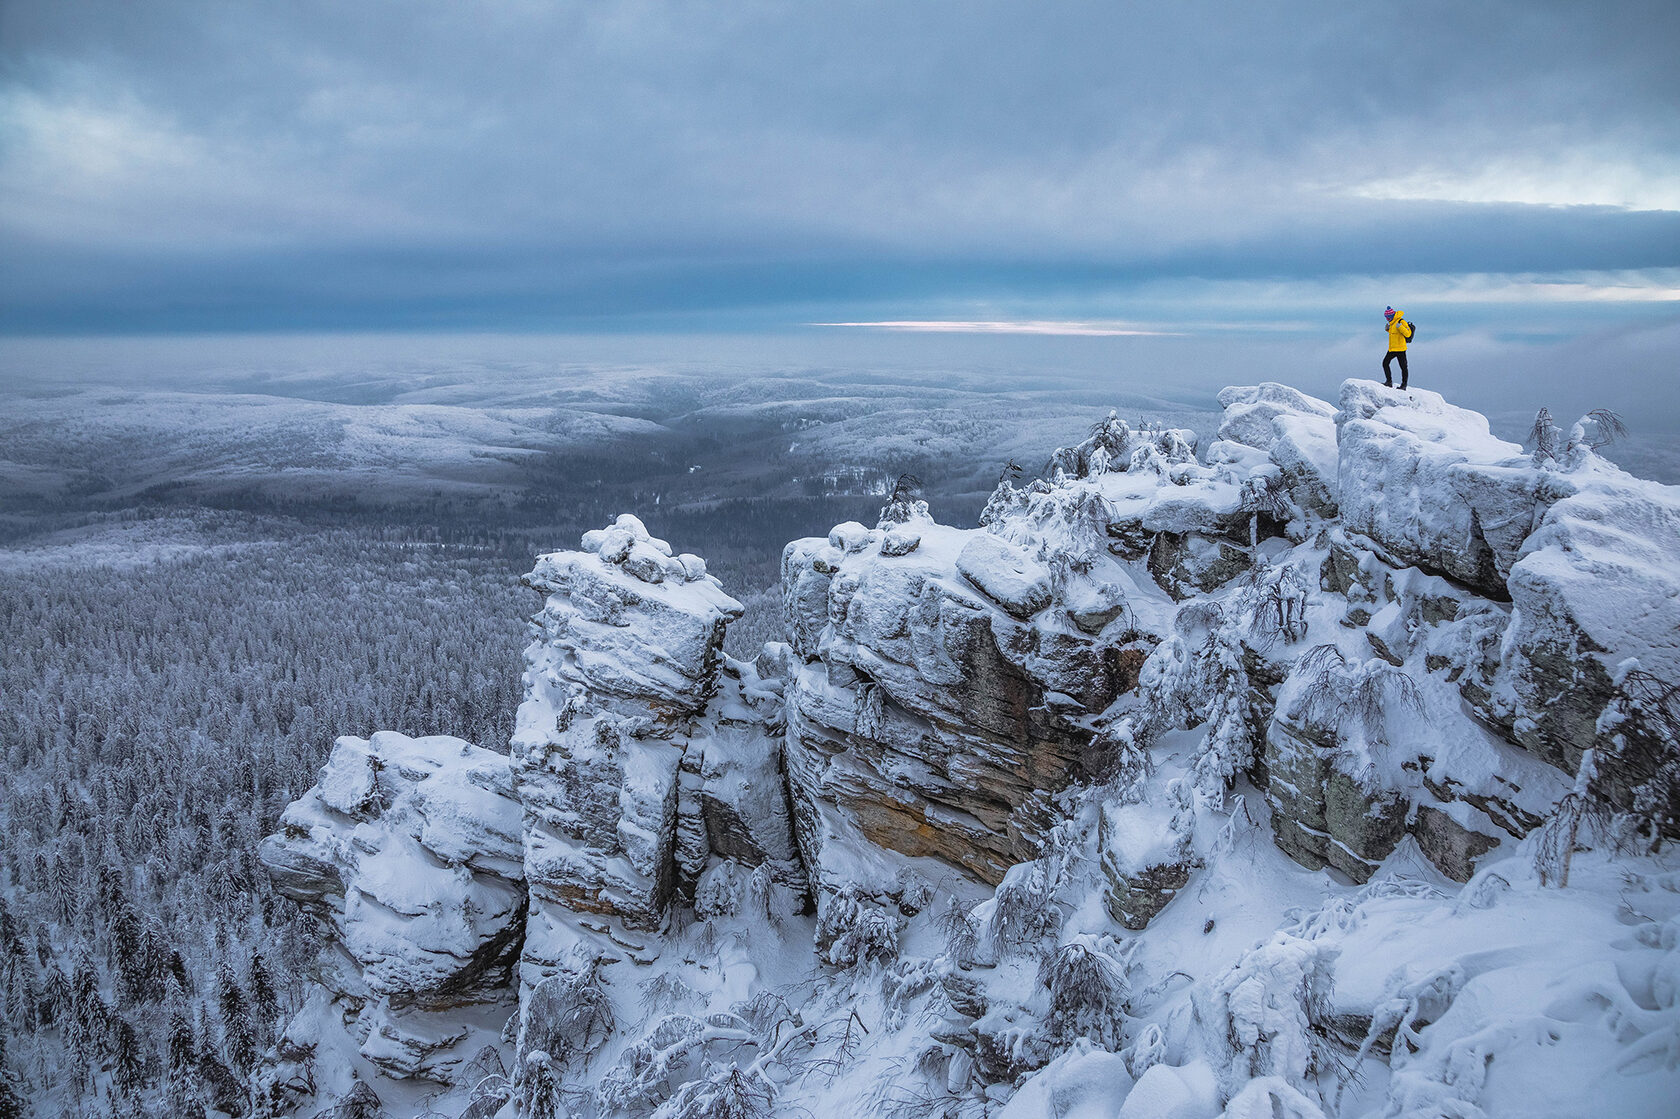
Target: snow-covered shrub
{"type": "Point", "coordinates": [1147, 460]}
{"type": "Point", "coordinates": [1024, 912]}
{"type": "Point", "coordinates": [567, 1016]}
{"type": "Point", "coordinates": [678, 1050]}
{"type": "Point", "coordinates": [905, 981]}
{"type": "Point", "coordinates": [541, 1089]}
{"type": "Point", "coordinates": [1598, 428]}
{"type": "Point", "coordinates": [1355, 700]}
{"type": "Point", "coordinates": [1087, 996]}
{"type": "Point", "coordinates": [1197, 676]}
{"type": "Point", "coordinates": [1271, 1097]}
{"type": "Point", "coordinates": [1109, 443]}
{"type": "Point", "coordinates": [1262, 493]}
{"type": "Point", "coordinates": [856, 930]}
{"type": "Point", "coordinates": [1265, 1015]}
{"type": "Point", "coordinates": [1547, 438]}
{"type": "Point", "coordinates": [914, 892]}
{"type": "Point", "coordinates": [874, 938]}
{"type": "Point", "coordinates": [1645, 715]}
{"type": "Point", "coordinates": [962, 938]}
{"type": "Point", "coordinates": [1554, 841]}
{"type": "Point", "coordinates": [1008, 497]}
{"type": "Point", "coordinates": [1064, 527]}
{"type": "Point", "coordinates": [1276, 601]}
{"type": "Point", "coordinates": [663, 992]}
{"type": "Point", "coordinates": [1229, 745]}
{"type": "Point", "coordinates": [764, 1012]}
{"type": "Point", "coordinates": [729, 1093]}
{"type": "Point", "coordinates": [728, 889]}
{"type": "Point", "coordinates": [903, 506]}
{"type": "Point", "coordinates": [1174, 445]}
{"type": "Point", "coordinates": [1407, 1006]}
{"type": "Point", "coordinates": [1149, 1050]}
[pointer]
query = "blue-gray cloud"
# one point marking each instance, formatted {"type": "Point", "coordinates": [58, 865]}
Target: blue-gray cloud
{"type": "Point", "coordinates": [189, 164]}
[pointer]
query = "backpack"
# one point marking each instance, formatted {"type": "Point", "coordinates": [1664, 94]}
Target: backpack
{"type": "Point", "coordinates": [1411, 330]}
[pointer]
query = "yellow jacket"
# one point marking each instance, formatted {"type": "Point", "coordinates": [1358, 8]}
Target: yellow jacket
{"type": "Point", "coordinates": [1398, 328]}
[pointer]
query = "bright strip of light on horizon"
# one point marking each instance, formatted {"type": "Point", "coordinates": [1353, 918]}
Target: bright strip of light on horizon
{"type": "Point", "coordinates": [1036, 326]}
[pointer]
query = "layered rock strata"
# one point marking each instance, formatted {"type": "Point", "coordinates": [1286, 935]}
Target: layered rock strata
{"type": "Point", "coordinates": [636, 756]}
{"type": "Point", "coordinates": [935, 698]}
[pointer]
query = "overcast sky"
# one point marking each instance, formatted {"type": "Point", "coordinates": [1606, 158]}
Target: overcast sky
{"type": "Point", "coordinates": [1099, 166]}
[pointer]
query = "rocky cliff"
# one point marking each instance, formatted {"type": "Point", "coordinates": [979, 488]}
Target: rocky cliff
{"type": "Point", "coordinates": [986, 767]}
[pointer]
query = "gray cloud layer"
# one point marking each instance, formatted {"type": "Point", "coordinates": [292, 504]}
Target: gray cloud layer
{"type": "Point", "coordinates": [196, 164]}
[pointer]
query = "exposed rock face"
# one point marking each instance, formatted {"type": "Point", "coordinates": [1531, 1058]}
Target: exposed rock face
{"type": "Point", "coordinates": [1321, 815]}
{"type": "Point", "coordinates": [1596, 592]}
{"type": "Point", "coordinates": [923, 714]}
{"type": "Point", "coordinates": [410, 848]}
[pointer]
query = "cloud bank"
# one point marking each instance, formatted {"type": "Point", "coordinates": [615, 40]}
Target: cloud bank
{"type": "Point", "coordinates": [188, 164]}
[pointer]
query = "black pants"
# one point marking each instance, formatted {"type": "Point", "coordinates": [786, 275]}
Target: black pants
{"type": "Point", "coordinates": [1388, 377]}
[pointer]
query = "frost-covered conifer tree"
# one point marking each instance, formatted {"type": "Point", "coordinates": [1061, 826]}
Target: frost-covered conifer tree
{"type": "Point", "coordinates": [1195, 677]}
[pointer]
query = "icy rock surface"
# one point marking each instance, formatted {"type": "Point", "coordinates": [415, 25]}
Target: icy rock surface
{"type": "Point", "coordinates": [410, 849]}
{"type": "Point", "coordinates": [1429, 483]}
{"type": "Point", "coordinates": [639, 756]}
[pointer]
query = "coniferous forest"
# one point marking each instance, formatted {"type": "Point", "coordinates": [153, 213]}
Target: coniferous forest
{"type": "Point", "coordinates": [176, 667]}
{"type": "Point", "coordinates": [157, 717]}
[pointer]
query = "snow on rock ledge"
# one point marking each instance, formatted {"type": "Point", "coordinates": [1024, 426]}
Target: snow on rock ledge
{"type": "Point", "coordinates": [1011, 578]}
{"type": "Point", "coordinates": [410, 849]}
{"type": "Point", "coordinates": [1429, 483]}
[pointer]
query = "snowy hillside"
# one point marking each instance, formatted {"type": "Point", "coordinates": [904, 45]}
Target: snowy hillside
{"type": "Point", "coordinates": [1328, 769]}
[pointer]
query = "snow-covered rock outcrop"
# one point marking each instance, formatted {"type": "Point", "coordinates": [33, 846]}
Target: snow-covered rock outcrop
{"type": "Point", "coordinates": [410, 849]}
{"type": "Point", "coordinates": [636, 755]}
{"type": "Point", "coordinates": [1595, 599]}
{"type": "Point", "coordinates": [1428, 483]}
{"type": "Point", "coordinates": [929, 712]}
{"type": "Point", "coordinates": [1296, 431]}
{"type": "Point", "coordinates": [1151, 795]}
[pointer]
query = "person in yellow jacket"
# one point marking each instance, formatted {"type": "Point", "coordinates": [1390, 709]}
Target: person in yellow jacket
{"type": "Point", "coordinates": [1399, 333]}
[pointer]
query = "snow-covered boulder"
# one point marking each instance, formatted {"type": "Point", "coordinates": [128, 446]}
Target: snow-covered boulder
{"type": "Point", "coordinates": [1430, 484]}
{"type": "Point", "coordinates": [1146, 856]}
{"type": "Point", "coordinates": [409, 848]}
{"type": "Point", "coordinates": [1008, 576]}
{"type": "Point", "coordinates": [1298, 433]}
{"type": "Point", "coordinates": [1595, 595]}
{"type": "Point", "coordinates": [1323, 814]}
